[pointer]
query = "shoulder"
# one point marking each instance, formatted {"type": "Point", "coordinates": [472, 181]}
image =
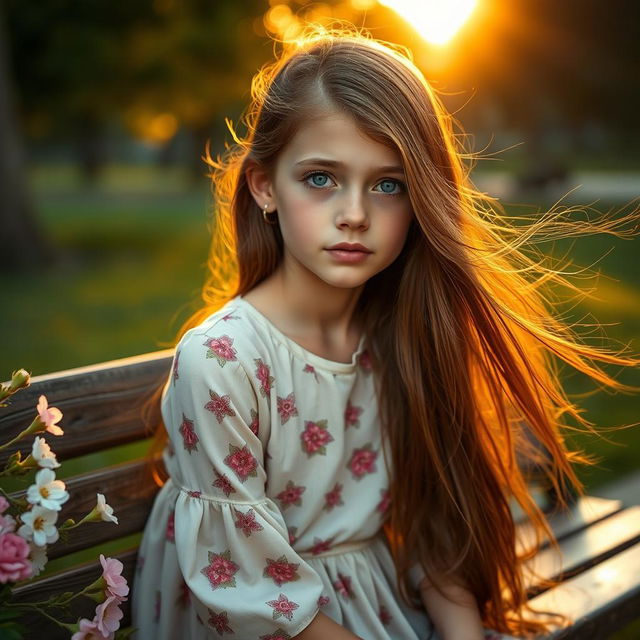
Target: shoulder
{"type": "Point", "coordinates": [226, 342]}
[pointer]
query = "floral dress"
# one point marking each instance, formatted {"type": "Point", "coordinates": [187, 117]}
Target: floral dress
{"type": "Point", "coordinates": [277, 494]}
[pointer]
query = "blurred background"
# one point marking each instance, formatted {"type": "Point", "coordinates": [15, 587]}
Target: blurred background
{"type": "Point", "coordinates": [105, 109]}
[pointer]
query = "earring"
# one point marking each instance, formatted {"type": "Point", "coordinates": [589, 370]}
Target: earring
{"type": "Point", "coordinates": [266, 219]}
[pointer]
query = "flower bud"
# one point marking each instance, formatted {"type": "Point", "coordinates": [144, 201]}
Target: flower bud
{"type": "Point", "coordinates": [20, 379]}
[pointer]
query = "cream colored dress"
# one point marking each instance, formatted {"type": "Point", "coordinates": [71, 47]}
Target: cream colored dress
{"type": "Point", "coordinates": [277, 494]}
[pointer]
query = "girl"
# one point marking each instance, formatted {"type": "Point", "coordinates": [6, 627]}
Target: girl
{"type": "Point", "coordinates": [345, 412]}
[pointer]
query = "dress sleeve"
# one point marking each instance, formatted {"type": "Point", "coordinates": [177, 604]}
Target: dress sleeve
{"type": "Point", "coordinates": [231, 539]}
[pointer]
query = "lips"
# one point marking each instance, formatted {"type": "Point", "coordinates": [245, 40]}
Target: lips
{"type": "Point", "coordinates": [347, 246]}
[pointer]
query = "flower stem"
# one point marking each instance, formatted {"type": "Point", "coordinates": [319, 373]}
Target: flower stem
{"type": "Point", "coordinates": [35, 427]}
{"type": "Point", "coordinates": [34, 605]}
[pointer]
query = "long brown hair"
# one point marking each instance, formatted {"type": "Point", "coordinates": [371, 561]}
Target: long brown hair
{"type": "Point", "coordinates": [462, 334]}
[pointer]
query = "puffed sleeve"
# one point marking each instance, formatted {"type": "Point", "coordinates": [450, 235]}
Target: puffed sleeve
{"type": "Point", "coordinates": [231, 539]}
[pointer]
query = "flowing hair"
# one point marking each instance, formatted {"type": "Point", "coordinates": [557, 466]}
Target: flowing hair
{"type": "Point", "coordinates": [462, 328]}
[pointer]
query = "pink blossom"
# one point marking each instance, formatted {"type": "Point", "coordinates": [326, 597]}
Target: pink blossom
{"type": "Point", "coordinates": [88, 631]}
{"type": "Point", "coordinates": [112, 573]}
{"type": "Point", "coordinates": [108, 615]}
{"type": "Point", "coordinates": [4, 504]}
{"type": "Point", "coordinates": [49, 416]}
{"type": "Point", "coordinates": [14, 562]}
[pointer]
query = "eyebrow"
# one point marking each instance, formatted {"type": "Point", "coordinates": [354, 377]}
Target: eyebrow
{"type": "Point", "coordinates": [336, 163]}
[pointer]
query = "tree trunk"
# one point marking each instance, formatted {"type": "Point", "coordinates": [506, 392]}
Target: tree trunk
{"type": "Point", "coordinates": [22, 245]}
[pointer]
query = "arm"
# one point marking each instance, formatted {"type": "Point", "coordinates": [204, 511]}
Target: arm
{"type": "Point", "coordinates": [453, 621]}
{"type": "Point", "coordinates": [323, 627]}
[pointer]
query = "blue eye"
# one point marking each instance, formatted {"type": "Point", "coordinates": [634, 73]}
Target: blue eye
{"type": "Point", "coordinates": [390, 184]}
{"type": "Point", "coordinates": [318, 179]}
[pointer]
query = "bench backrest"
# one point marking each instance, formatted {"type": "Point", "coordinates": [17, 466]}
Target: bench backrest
{"type": "Point", "coordinates": [101, 406]}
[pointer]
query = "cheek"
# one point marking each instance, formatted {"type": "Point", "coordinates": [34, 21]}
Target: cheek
{"type": "Point", "coordinates": [299, 225]}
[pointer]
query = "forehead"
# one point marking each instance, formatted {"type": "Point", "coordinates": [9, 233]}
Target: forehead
{"type": "Point", "coordinates": [336, 136]}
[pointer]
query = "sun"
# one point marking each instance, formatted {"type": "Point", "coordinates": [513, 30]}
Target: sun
{"type": "Point", "coordinates": [437, 21]}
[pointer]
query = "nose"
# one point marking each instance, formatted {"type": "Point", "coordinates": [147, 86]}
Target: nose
{"type": "Point", "coordinates": [353, 213]}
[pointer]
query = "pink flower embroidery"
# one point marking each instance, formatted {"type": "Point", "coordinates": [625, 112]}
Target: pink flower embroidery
{"type": "Point", "coordinates": [171, 530]}
{"type": "Point", "coordinates": [184, 595]}
{"type": "Point", "coordinates": [229, 316]}
{"type": "Point", "coordinates": [254, 424]}
{"type": "Point", "coordinates": [351, 415]}
{"type": "Point", "coordinates": [266, 380]}
{"type": "Point", "coordinates": [320, 546]}
{"type": "Point", "coordinates": [309, 369]}
{"type": "Point", "coordinates": [333, 498]}
{"type": "Point", "coordinates": [281, 571]}
{"type": "Point", "coordinates": [242, 461]}
{"type": "Point", "coordinates": [220, 405]}
{"type": "Point", "coordinates": [385, 616]}
{"type": "Point", "coordinates": [189, 436]}
{"type": "Point", "coordinates": [246, 522]}
{"type": "Point", "coordinates": [219, 621]}
{"type": "Point", "coordinates": [223, 483]}
{"type": "Point", "coordinates": [221, 349]}
{"type": "Point", "coordinates": [278, 634]}
{"type": "Point", "coordinates": [287, 407]}
{"type": "Point", "coordinates": [220, 570]}
{"type": "Point", "coordinates": [315, 437]}
{"type": "Point", "coordinates": [385, 500]}
{"type": "Point", "coordinates": [174, 370]}
{"type": "Point", "coordinates": [343, 586]}
{"type": "Point", "coordinates": [364, 360]}
{"type": "Point", "coordinates": [291, 495]}
{"type": "Point", "coordinates": [283, 607]}
{"type": "Point", "coordinates": [322, 600]}
{"type": "Point", "coordinates": [292, 534]}
{"type": "Point", "coordinates": [362, 461]}
{"type": "Point", "coordinates": [194, 494]}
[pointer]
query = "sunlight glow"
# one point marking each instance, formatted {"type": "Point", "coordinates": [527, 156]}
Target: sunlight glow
{"type": "Point", "coordinates": [437, 21]}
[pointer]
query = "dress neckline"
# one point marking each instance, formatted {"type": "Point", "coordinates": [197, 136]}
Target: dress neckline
{"type": "Point", "coordinates": [309, 357]}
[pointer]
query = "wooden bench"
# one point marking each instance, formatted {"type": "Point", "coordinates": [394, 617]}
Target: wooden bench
{"type": "Point", "coordinates": [600, 540]}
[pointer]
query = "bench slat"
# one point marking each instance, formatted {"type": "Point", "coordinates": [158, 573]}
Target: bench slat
{"type": "Point", "coordinates": [128, 488]}
{"type": "Point", "coordinates": [101, 404]}
{"type": "Point", "coordinates": [586, 511]}
{"type": "Point", "coordinates": [587, 547]}
{"type": "Point", "coordinates": [601, 600]}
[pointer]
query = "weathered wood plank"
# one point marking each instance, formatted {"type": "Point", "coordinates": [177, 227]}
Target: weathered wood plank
{"type": "Point", "coordinates": [128, 488]}
{"type": "Point", "coordinates": [583, 513]}
{"type": "Point", "coordinates": [587, 547]}
{"type": "Point", "coordinates": [71, 580]}
{"type": "Point", "coordinates": [101, 404]}
{"type": "Point", "coordinates": [601, 600]}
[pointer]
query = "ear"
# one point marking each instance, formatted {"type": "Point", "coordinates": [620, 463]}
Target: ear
{"type": "Point", "coordinates": [260, 184]}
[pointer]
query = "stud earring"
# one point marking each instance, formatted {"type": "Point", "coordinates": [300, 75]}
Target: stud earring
{"type": "Point", "coordinates": [266, 219]}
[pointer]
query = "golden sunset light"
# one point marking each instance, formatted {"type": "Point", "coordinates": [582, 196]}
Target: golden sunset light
{"type": "Point", "coordinates": [437, 21]}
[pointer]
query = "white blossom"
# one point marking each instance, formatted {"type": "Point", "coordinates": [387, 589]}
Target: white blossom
{"type": "Point", "coordinates": [47, 491]}
{"type": "Point", "coordinates": [104, 510]}
{"type": "Point", "coordinates": [38, 557]}
{"type": "Point", "coordinates": [42, 454]}
{"type": "Point", "coordinates": [39, 526]}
